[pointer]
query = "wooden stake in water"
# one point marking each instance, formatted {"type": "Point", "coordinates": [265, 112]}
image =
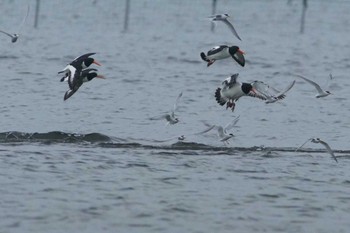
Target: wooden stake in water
{"type": "Point", "coordinates": [213, 11]}
{"type": "Point", "coordinates": [303, 16]}
{"type": "Point", "coordinates": [37, 13]}
{"type": "Point", "coordinates": [126, 18]}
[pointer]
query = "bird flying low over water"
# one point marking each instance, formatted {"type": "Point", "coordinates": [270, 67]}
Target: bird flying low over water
{"type": "Point", "coordinates": [223, 18]}
{"type": "Point", "coordinates": [320, 91]}
{"type": "Point", "coordinates": [232, 90]}
{"type": "Point", "coordinates": [222, 52]}
{"type": "Point", "coordinates": [76, 78]}
{"type": "Point", "coordinates": [170, 117]}
{"type": "Point", "coordinates": [272, 94]}
{"type": "Point", "coordinates": [223, 133]}
{"type": "Point", "coordinates": [79, 63]}
{"type": "Point", "coordinates": [14, 37]}
{"type": "Point", "coordinates": [325, 144]}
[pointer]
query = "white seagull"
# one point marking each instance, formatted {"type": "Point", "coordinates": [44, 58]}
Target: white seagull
{"type": "Point", "coordinates": [223, 18]}
{"type": "Point", "coordinates": [325, 144]}
{"type": "Point", "coordinates": [170, 117]}
{"type": "Point", "coordinates": [15, 36]}
{"type": "Point", "coordinates": [272, 94]}
{"type": "Point", "coordinates": [321, 92]}
{"type": "Point", "coordinates": [223, 133]}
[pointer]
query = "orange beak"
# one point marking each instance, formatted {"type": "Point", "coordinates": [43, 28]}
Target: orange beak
{"type": "Point", "coordinates": [241, 51]}
{"type": "Point", "coordinates": [95, 62]}
{"type": "Point", "coordinates": [100, 76]}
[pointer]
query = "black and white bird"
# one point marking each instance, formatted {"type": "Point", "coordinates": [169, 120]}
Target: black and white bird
{"type": "Point", "coordinates": [320, 92]}
{"type": "Point", "coordinates": [76, 78]}
{"type": "Point", "coordinates": [222, 52]}
{"type": "Point", "coordinates": [79, 63]}
{"type": "Point", "coordinates": [223, 132]}
{"type": "Point", "coordinates": [325, 144]}
{"type": "Point", "coordinates": [223, 18]}
{"type": "Point", "coordinates": [232, 90]}
{"type": "Point", "coordinates": [170, 117]}
{"type": "Point", "coordinates": [14, 37]}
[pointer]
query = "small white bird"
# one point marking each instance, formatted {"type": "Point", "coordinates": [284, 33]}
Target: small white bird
{"type": "Point", "coordinates": [183, 137]}
{"type": "Point", "coordinates": [15, 36]}
{"type": "Point", "coordinates": [223, 133]}
{"type": "Point", "coordinates": [321, 92]}
{"type": "Point", "coordinates": [318, 140]}
{"type": "Point", "coordinates": [223, 18]}
{"type": "Point", "coordinates": [272, 94]}
{"type": "Point", "coordinates": [170, 117]}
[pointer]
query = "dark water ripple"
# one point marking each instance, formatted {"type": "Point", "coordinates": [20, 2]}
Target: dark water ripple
{"type": "Point", "coordinates": [96, 164]}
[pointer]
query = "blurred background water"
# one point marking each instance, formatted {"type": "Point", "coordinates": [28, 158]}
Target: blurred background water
{"type": "Point", "coordinates": [95, 163]}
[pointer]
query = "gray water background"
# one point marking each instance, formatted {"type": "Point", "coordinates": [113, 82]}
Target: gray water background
{"type": "Point", "coordinates": [123, 179]}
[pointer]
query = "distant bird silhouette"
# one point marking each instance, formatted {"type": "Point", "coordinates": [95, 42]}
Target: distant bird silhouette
{"type": "Point", "coordinates": [14, 37]}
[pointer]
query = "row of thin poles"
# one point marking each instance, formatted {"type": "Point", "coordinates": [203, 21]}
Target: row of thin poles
{"type": "Point", "coordinates": [127, 12]}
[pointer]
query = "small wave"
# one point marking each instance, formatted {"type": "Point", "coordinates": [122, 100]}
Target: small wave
{"type": "Point", "coordinates": [52, 137]}
{"type": "Point", "coordinates": [183, 147]}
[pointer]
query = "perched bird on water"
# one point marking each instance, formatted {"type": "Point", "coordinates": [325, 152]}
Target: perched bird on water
{"type": "Point", "coordinates": [14, 37]}
{"type": "Point", "coordinates": [76, 78]}
{"type": "Point", "coordinates": [222, 52]}
{"type": "Point", "coordinates": [223, 18]}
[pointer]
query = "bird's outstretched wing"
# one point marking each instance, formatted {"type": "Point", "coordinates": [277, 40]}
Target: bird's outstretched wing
{"type": "Point", "coordinates": [6, 33]}
{"type": "Point", "coordinates": [303, 144]}
{"type": "Point", "coordinates": [231, 124]}
{"type": "Point", "coordinates": [77, 61]}
{"type": "Point", "coordinates": [24, 19]}
{"type": "Point", "coordinates": [278, 95]}
{"type": "Point", "coordinates": [233, 30]}
{"type": "Point", "coordinates": [329, 149]}
{"type": "Point", "coordinates": [230, 81]}
{"type": "Point", "coordinates": [177, 102]}
{"type": "Point", "coordinates": [318, 88]}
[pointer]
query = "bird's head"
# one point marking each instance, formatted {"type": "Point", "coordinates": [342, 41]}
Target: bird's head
{"type": "Point", "coordinates": [90, 74]}
{"type": "Point", "coordinates": [88, 61]}
{"type": "Point", "coordinates": [14, 38]}
{"type": "Point", "coordinates": [315, 140]}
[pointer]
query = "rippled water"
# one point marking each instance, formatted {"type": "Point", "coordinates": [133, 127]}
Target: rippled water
{"type": "Point", "coordinates": [96, 163]}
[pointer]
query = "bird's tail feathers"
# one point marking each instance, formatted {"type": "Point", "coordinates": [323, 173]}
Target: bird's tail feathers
{"type": "Point", "coordinates": [218, 97]}
{"type": "Point", "coordinates": [204, 57]}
